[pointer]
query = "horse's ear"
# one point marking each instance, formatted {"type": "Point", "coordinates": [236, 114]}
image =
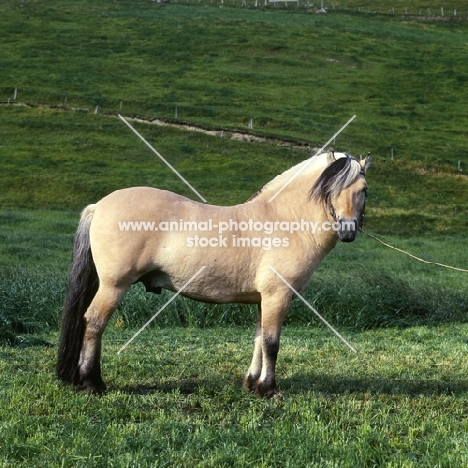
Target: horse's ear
{"type": "Point", "coordinates": [365, 163]}
{"type": "Point", "coordinates": [330, 157]}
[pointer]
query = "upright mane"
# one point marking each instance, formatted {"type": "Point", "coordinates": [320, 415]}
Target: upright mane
{"type": "Point", "coordinates": [335, 178]}
{"type": "Point", "coordinates": [282, 178]}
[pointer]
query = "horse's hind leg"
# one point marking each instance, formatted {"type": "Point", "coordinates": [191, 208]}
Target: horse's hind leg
{"type": "Point", "coordinates": [96, 318]}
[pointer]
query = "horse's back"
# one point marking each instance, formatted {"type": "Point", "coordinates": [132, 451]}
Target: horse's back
{"type": "Point", "coordinates": [140, 199]}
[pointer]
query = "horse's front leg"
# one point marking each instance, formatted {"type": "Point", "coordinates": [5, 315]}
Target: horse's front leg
{"type": "Point", "coordinates": [96, 318]}
{"type": "Point", "coordinates": [255, 368]}
{"type": "Point", "coordinates": [271, 317]}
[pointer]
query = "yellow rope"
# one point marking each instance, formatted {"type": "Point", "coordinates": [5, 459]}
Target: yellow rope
{"type": "Point", "coordinates": [412, 256]}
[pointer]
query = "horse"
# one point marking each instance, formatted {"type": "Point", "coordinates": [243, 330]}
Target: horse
{"type": "Point", "coordinates": [162, 239]}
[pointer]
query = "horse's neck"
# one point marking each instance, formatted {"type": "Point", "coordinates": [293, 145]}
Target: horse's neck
{"type": "Point", "coordinates": [286, 198]}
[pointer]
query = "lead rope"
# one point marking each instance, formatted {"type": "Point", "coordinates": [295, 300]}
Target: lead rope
{"type": "Point", "coordinates": [411, 255]}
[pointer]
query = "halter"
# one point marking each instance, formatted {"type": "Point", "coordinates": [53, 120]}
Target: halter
{"type": "Point", "coordinates": [332, 211]}
{"type": "Point", "coordinates": [327, 184]}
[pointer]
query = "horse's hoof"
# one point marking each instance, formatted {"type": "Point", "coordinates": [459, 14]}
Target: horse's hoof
{"type": "Point", "coordinates": [263, 390]}
{"type": "Point", "coordinates": [250, 383]}
{"type": "Point", "coordinates": [88, 387]}
{"type": "Point", "coordinates": [275, 395]}
{"type": "Point", "coordinates": [271, 393]}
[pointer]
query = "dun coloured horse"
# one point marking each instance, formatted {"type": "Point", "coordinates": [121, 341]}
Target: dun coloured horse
{"type": "Point", "coordinates": [162, 239]}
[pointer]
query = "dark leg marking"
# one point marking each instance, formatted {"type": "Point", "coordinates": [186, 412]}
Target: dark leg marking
{"type": "Point", "coordinates": [266, 385]}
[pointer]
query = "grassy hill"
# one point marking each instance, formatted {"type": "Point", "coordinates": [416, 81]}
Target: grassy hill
{"type": "Point", "coordinates": [294, 74]}
{"type": "Point", "coordinates": [64, 160]}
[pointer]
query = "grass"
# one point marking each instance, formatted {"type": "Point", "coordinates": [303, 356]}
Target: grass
{"type": "Point", "coordinates": [70, 160]}
{"type": "Point", "coordinates": [65, 161]}
{"type": "Point", "coordinates": [175, 400]}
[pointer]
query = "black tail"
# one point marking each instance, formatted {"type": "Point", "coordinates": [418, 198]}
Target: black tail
{"type": "Point", "coordinates": [82, 287]}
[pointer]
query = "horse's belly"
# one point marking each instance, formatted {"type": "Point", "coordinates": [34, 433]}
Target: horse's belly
{"type": "Point", "coordinates": [224, 297]}
{"type": "Point", "coordinates": [202, 284]}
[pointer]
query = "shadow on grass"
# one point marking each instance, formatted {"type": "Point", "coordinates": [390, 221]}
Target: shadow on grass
{"type": "Point", "coordinates": [301, 384]}
{"type": "Point", "coordinates": [187, 387]}
{"type": "Point", "coordinates": [333, 385]}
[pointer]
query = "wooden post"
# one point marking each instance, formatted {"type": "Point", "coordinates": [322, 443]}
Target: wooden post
{"type": "Point", "coordinates": [16, 92]}
{"type": "Point", "coordinates": [391, 157]}
{"type": "Point", "coordinates": [95, 110]}
{"type": "Point", "coordinates": [120, 105]}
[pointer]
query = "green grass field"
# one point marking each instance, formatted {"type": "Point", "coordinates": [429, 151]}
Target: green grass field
{"type": "Point", "coordinates": [176, 400]}
{"type": "Point", "coordinates": [175, 395]}
{"type": "Point", "coordinates": [294, 74]}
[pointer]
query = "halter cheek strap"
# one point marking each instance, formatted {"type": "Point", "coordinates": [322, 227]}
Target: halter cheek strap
{"type": "Point", "coordinates": [332, 211]}
{"type": "Point", "coordinates": [363, 215]}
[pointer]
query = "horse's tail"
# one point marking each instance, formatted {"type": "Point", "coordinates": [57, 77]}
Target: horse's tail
{"type": "Point", "coordinates": [82, 287]}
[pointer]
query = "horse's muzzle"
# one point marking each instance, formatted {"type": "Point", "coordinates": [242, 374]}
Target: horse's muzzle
{"type": "Point", "coordinates": [347, 230]}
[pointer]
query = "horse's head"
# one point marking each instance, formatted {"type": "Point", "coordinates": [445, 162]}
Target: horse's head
{"type": "Point", "coordinates": [342, 189]}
